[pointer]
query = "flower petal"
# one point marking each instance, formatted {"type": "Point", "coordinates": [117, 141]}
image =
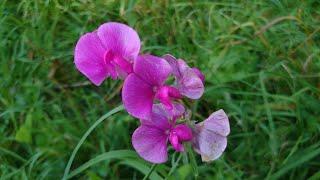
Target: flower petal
{"type": "Point", "coordinates": [190, 85]}
{"type": "Point", "coordinates": [88, 58]}
{"type": "Point", "coordinates": [176, 112]}
{"type": "Point", "coordinates": [199, 74]}
{"type": "Point", "coordinates": [176, 144]}
{"type": "Point", "coordinates": [152, 69]}
{"type": "Point", "coordinates": [184, 132]}
{"type": "Point", "coordinates": [210, 145]}
{"type": "Point", "coordinates": [189, 80]}
{"type": "Point", "coordinates": [137, 97]}
{"type": "Point", "coordinates": [218, 122]}
{"type": "Point", "coordinates": [150, 143]}
{"type": "Point", "coordinates": [120, 39]}
{"type": "Point", "coordinates": [157, 120]}
{"type": "Point", "coordinates": [174, 64]}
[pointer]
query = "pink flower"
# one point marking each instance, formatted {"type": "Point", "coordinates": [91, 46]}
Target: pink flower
{"type": "Point", "coordinates": [151, 137]}
{"type": "Point", "coordinates": [108, 51]}
{"type": "Point", "coordinates": [210, 136]}
{"type": "Point", "coordinates": [147, 84]}
{"type": "Point", "coordinates": [189, 81]}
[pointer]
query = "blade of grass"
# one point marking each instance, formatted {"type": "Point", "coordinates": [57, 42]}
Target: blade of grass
{"type": "Point", "coordinates": [149, 173]}
{"type": "Point", "coordinates": [297, 160]}
{"type": "Point", "coordinates": [118, 154]}
{"type": "Point", "coordinates": [142, 167]}
{"type": "Point", "coordinates": [84, 137]}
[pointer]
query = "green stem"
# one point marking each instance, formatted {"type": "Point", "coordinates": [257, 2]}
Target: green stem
{"type": "Point", "coordinates": [84, 137]}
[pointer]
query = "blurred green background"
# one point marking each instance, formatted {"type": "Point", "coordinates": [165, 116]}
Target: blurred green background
{"type": "Point", "coordinates": [261, 59]}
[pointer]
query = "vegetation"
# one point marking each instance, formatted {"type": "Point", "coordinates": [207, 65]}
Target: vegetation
{"type": "Point", "coordinates": [260, 58]}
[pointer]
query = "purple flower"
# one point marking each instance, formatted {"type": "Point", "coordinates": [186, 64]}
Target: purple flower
{"type": "Point", "coordinates": [151, 137]}
{"type": "Point", "coordinates": [189, 81]}
{"type": "Point", "coordinates": [210, 136]}
{"type": "Point", "coordinates": [108, 51]}
{"type": "Point", "coordinates": [147, 84]}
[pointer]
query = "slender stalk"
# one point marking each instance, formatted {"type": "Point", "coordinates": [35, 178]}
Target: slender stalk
{"type": "Point", "coordinates": [149, 173]}
{"type": "Point", "coordinates": [84, 137]}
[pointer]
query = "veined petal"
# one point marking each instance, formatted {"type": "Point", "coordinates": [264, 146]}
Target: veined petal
{"type": "Point", "coordinates": [199, 74]}
{"type": "Point", "coordinates": [88, 58]}
{"type": "Point", "coordinates": [218, 122]}
{"type": "Point", "coordinates": [152, 69]}
{"type": "Point", "coordinates": [190, 85]}
{"type": "Point", "coordinates": [210, 145]}
{"type": "Point", "coordinates": [174, 64]}
{"type": "Point", "coordinates": [137, 97]}
{"type": "Point", "coordinates": [150, 143]}
{"type": "Point", "coordinates": [158, 121]}
{"type": "Point", "coordinates": [189, 80]}
{"type": "Point", "coordinates": [120, 39]}
{"type": "Point", "coordinates": [176, 112]}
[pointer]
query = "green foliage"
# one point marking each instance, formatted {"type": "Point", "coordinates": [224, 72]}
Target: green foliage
{"type": "Point", "coordinates": [260, 58]}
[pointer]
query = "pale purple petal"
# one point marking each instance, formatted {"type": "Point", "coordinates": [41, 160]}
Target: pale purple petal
{"type": "Point", "coordinates": [210, 145]}
{"type": "Point", "coordinates": [199, 74]}
{"type": "Point", "coordinates": [137, 97]}
{"type": "Point", "coordinates": [88, 58]}
{"type": "Point", "coordinates": [158, 121]}
{"type": "Point", "coordinates": [190, 85]}
{"type": "Point", "coordinates": [176, 112]}
{"type": "Point", "coordinates": [174, 64]}
{"type": "Point", "coordinates": [150, 143]}
{"type": "Point", "coordinates": [210, 136]}
{"type": "Point", "coordinates": [152, 69]}
{"type": "Point", "coordinates": [218, 122]}
{"type": "Point", "coordinates": [188, 79]}
{"type": "Point", "coordinates": [120, 39]}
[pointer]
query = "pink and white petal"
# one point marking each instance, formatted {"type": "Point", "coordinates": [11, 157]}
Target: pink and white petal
{"type": "Point", "coordinates": [88, 58]}
{"type": "Point", "coordinates": [211, 145]}
{"type": "Point", "coordinates": [120, 39]}
{"type": "Point", "coordinates": [137, 97]}
{"type": "Point", "coordinates": [190, 85]}
{"type": "Point", "coordinates": [152, 69]}
{"type": "Point", "coordinates": [218, 122]}
{"type": "Point", "coordinates": [150, 143]}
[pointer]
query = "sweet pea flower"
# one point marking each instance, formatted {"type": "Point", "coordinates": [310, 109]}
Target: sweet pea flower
{"type": "Point", "coordinates": [189, 81]}
{"type": "Point", "coordinates": [150, 139]}
{"type": "Point", "coordinates": [147, 84]}
{"type": "Point", "coordinates": [108, 51]}
{"type": "Point", "coordinates": [210, 136]}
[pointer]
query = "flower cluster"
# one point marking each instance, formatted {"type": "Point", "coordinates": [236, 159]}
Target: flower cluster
{"type": "Point", "coordinates": [152, 92]}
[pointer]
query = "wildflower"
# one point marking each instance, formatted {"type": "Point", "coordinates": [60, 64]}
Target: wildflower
{"type": "Point", "coordinates": [189, 81]}
{"type": "Point", "coordinates": [210, 136]}
{"type": "Point", "coordinates": [147, 84]}
{"type": "Point", "coordinates": [108, 51]}
{"type": "Point", "coordinates": [150, 139]}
